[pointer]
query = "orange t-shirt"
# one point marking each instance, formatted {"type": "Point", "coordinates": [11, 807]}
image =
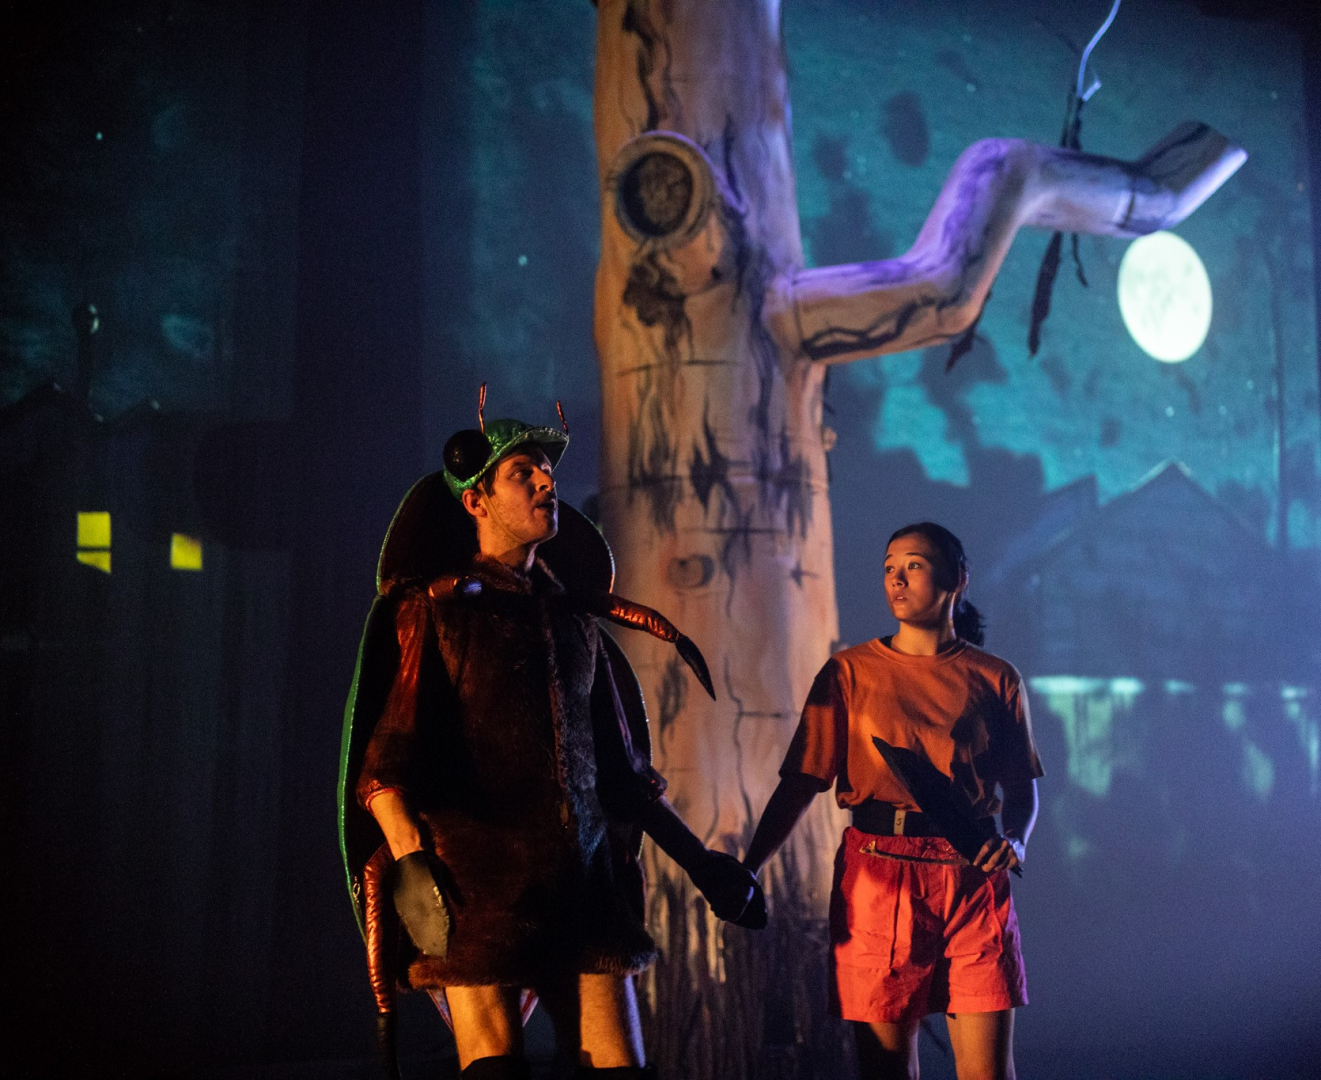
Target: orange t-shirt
{"type": "Point", "coordinates": [964, 708]}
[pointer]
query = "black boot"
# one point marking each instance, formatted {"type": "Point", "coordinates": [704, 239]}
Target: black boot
{"type": "Point", "coordinates": [504, 1067]}
{"type": "Point", "coordinates": [385, 1046]}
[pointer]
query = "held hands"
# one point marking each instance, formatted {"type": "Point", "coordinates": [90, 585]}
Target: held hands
{"type": "Point", "coordinates": [421, 905]}
{"type": "Point", "coordinates": [731, 889]}
{"type": "Point", "coordinates": [1001, 853]}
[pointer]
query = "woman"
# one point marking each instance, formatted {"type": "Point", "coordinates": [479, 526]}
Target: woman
{"type": "Point", "coordinates": [915, 928]}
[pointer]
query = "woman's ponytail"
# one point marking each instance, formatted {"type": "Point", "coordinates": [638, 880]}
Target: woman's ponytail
{"type": "Point", "coordinates": [969, 623]}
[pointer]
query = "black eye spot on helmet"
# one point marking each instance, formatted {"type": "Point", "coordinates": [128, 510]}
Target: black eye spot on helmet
{"type": "Point", "coordinates": [466, 454]}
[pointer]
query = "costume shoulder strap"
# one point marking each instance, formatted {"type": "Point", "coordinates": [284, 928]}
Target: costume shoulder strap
{"type": "Point", "coordinates": [630, 696]}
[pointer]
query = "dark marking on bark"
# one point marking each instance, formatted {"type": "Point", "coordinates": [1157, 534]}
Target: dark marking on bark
{"type": "Point", "coordinates": [783, 484]}
{"type": "Point", "coordinates": [752, 274]}
{"type": "Point", "coordinates": [1172, 156]}
{"type": "Point", "coordinates": [653, 56]}
{"type": "Point", "coordinates": [689, 572]}
{"type": "Point", "coordinates": [656, 298]}
{"type": "Point", "coordinates": [727, 141]}
{"type": "Point", "coordinates": [673, 692]}
{"type": "Point", "coordinates": [651, 458]}
{"type": "Point", "coordinates": [637, 368]}
{"type": "Point", "coordinates": [658, 301]}
{"type": "Point", "coordinates": [709, 468]}
{"type": "Point", "coordinates": [739, 713]}
{"type": "Point", "coordinates": [781, 479]}
{"type": "Point", "coordinates": [1148, 176]}
{"type": "Point", "coordinates": [732, 217]}
{"type": "Point", "coordinates": [757, 278]}
{"type": "Point", "coordinates": [736, 547]}
{"type": "Point", "coordinates": [654, 294]}
{"type": "Point", "coordinates": [964, 342]}
{"type": "Point", "coordinates": [837, 340]}
{"type": "Point", "coordinates": [970, 252]}
{"type": "Point", "coordinates": [797, 574]}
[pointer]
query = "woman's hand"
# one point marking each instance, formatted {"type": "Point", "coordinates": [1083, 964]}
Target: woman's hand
{"type": "Point", "coordinates": [729, 887]}
{"type": "Point", "coordinates": [1000, 853]}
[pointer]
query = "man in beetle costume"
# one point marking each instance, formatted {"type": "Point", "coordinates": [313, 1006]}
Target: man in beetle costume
{"type": "Point", "coordinates": [497, 737]}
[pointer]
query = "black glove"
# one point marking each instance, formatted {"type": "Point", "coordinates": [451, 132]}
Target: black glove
{"type": "Point", "coordinates": [731, 889]}
{"type": "Point", "coordinates": [421, 905]}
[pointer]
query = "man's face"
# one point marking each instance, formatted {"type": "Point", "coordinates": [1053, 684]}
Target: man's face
{"type": "Point", "coordinates": [521, 507]}
{"type": "Point", "coordinates": [913, 582]}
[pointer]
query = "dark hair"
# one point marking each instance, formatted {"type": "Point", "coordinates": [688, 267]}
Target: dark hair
{"type": "Point", "coordinates": [968, 621]}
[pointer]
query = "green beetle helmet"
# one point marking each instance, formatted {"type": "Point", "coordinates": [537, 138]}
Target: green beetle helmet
{"type": "Point", "coordinates": [471, 453]}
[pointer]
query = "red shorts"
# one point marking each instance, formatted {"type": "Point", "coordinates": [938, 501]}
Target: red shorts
{"type": "Point", "coordinates": [910, 938]}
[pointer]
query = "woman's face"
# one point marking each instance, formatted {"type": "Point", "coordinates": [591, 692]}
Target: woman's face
{"type": "Point", "coordinates": [913, 579]}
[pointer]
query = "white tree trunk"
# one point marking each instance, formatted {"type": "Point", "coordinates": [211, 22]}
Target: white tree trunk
{"type": "Point", "coordinates": [713, 466]}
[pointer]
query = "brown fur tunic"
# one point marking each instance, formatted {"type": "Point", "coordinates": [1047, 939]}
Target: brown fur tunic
{"type": "Point", "coordinates": [503, 732]}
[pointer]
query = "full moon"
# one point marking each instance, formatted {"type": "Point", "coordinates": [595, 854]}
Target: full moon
{"type": "Point", "coordinates": [1165, 296]}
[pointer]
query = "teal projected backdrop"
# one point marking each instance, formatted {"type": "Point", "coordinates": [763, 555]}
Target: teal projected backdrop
{"type": "Point", "coordinates": [885, 97]}
{"type": "Point", "coordinates": [128, 192]}
{"type": "Point", "coordinates": [1144, 534]}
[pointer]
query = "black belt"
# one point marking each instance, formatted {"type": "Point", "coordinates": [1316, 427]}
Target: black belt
{"type": "Point", "coordinates": [882, 819]}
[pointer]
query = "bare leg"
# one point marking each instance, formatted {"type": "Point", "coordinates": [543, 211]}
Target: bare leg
{"type": "Point", "coordinates": [611, 1029]}
{"type": "Point", "coordinates": [887, 1051]}
{"type": "Point", "coordinates": [983, 1044]}
{"type": "Point", "coordinates": [596, 1019]}
{"type": "Point", "coordinates": [487, 1022]}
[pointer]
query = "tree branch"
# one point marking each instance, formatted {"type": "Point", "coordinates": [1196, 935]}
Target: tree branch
{"type": "Point", "coordinates": [933, 292]}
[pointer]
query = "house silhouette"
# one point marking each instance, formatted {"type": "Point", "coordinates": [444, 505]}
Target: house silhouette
{"type": "Point", "coordinates": [1161, 582]}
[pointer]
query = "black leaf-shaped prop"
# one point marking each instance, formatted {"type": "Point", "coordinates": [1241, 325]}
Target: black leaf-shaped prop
{"type": "Point", "coordinates": [940, 800]}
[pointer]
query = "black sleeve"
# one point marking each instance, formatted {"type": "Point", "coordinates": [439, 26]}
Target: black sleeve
{"type": "Point", "coordinates": [625, 781]}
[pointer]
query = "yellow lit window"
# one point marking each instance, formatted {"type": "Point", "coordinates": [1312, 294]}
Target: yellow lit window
{"type": "Point", "coordinates": [185, 552]}
{"type": "Point", "coordinates": [94, 539]}
{"type": "Point", "coordinates": [94, 530]}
